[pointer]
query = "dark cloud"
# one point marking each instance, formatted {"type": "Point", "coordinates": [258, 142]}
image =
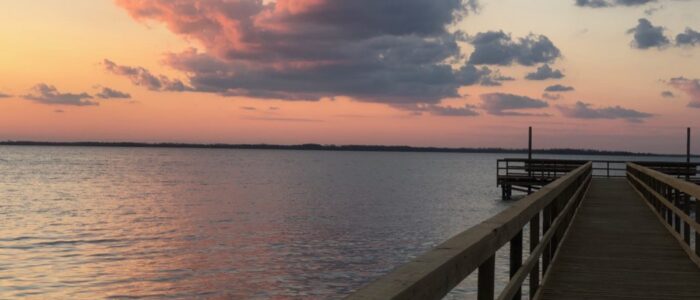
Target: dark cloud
{"type": "Point", "coordinates": [549, 96]}
{"type": "Point", "coordinates": [108, 93]}
{"type": "Point", "coordinates": [59, 111]}
{"type": "Point", "coordinates": [690, 87]}
{"type": "Point", "coordinates": [3, 95]}
{"type": "Point", "coordinates": [502, 104]}
{"type": "Point", "coordinates": [559, 88]}
{"type": "Point", "coordinates": [668, 94]}
{"type": "Point", "coordinates": [648, 36]}
{"type": "Point", "coordinates": [688, 38]}
{"type": "Point", "coordinates": [582, 110]}
{"type": "Point", "coordinates": [611, 3]}
{"type": "Point", "coordinates": [143, 77]}
{"type": "Point", "coordinates": [48, 94]}
{"type": "Point", "coordinates": [498, 48]}
{"type": "Point", "coordinates": [543, 73]}
{"type": "Point", "coordinates": [371, 50]}
{"type": "Point", "coordinates": [248, 108]}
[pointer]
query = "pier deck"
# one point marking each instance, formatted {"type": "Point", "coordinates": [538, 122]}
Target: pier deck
{"type": "Point", "coordinates": [618, 249]}
{"type": "Point", "coordinates": [590, 237]}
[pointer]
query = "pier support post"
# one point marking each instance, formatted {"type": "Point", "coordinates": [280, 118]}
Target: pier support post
{"type": "Point", "coordinates": [529, 157]}
{"type": "Point", "coordinates": [687, 154]}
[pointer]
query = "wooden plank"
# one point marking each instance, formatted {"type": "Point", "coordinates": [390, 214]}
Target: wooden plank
{"type": "Point", "coordinates": [618, 249]}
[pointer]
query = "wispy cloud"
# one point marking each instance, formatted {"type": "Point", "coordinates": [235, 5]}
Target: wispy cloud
{"type": "Point", "coordinates": [611, 3]}
{"type": "Point", "coordinates": [582, 110]}
{"type": "Point", "coordinates": [549, 96]}
{"type": "Point", "coordinates": [108, 93]}
{"type": "Point", "coordinates": [690, 87]}
{"type": "Point", "coordinates": [668, 94]}
{"type": "Point", "coordinates": [559, 88]}
{"type": "Point", "coordinates": [502, 104]}
{"type": "Point", "coordinates": [48, 94]}
{"type": "Point", "coordinates": [143, 77]}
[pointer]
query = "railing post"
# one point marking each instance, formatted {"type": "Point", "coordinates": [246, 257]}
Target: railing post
{"type": "Point", "coordinates": [516, 258]}
{"type": "Point", "coordinates": [534, 241]}
{"type": "Point", "coordinates": [697, 221]}
{"type": "Point", "coordinates": [686, 225]}
{"type": "Point", "coordinates": [487, 279]}
{"type": "Point", "coordinates": [546, 223]}
{"type": "Point", "coordinates": [676, 217]}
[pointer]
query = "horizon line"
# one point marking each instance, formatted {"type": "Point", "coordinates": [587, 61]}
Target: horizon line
{"type": "Point", "coordinates": [334, 147]}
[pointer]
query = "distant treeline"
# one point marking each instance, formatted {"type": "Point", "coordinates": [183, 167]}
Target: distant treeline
{"type": "Point", "coordinates": [319, 147]}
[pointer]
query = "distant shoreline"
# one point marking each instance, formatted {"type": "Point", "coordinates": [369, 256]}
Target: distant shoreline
{"type": "Point", "coordinates": [319, 147]}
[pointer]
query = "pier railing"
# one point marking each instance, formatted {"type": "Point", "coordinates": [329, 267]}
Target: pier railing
{"type": "Point", "coordinates": [548, 212]}
{"type": "Point", "coordinates": [673, 201]}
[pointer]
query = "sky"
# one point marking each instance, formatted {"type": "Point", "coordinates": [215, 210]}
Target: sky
{"type": "Point", "coordinates": [601, 74]}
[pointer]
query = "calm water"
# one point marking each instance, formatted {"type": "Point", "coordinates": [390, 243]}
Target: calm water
{"type": "Point", "coordinates": [130, 223]}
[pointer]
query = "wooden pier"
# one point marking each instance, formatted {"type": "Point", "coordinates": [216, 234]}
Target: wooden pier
{"type": "Point", "coordinates": [578, 236]}
{"type": "Point", "coordinates": [527, 175]}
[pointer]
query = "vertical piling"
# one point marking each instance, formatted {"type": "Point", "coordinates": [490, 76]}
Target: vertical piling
{"type": "Point", "coordinates": [529, 157]}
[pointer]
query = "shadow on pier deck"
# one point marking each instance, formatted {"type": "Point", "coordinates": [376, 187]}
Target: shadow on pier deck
{"type": "Point", "coordinates": [589, 238]}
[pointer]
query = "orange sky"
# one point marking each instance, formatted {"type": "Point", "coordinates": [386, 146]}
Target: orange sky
{"type": "Point", "coordinates": [64, 46]}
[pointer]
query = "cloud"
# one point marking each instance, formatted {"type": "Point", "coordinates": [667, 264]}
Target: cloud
{"type": "Point", "coordinates": [48, 94]}
{"type": "Point", "coordinates": [143, 77]}
{"type": "Point", "coordinates": [439, 110]}
{"type": "Point", "coordinates": [652, 10]}
{"type": "Point", "coordinates": [559, 88]}
{"type": "Point", "coordinates": [108, 93]}
{"type": "Point", "coordinates": [248, 108]}
{"type": "Point", "coordinates": [502, 104]}
{"type": "Point", "coordinates": [493, 78]}
{"type": "Point", "coordinates": [371, 50]}
{"type": "Point", "coordinates": [688, 38]}
{"type": "Point", "coordinates": [59, 111]}
{"type": "Point", "coordinates": [648, 36]}
{"type": "Point", "coordinates": [668, 94]}
{"type": "Point", "coordinates": [450, 111]}
{"type": "Point", "coordinates": [3, 95]}
{"type": "Point", "coordinates": [582, 110]}
{"type": "Point", "coordinates": [691, 87]}
{"type": "Point", "coordinates": [611, 3]}
{"type": "Point", "coordinates": [549, 96]}
{"type": "Point", "coordinates": [498, 48]}
{"type": "Point", "coordinates": [544, 72]}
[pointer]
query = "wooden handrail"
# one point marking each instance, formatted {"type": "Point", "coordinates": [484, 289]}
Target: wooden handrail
{"type": "Point", "coordinates": [433, 274]}
{"type": "Point", "coordinates": [669, 198]}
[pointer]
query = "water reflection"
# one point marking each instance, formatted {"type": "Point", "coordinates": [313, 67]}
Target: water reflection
{"type": "Point", "coordinates": [100, 222]}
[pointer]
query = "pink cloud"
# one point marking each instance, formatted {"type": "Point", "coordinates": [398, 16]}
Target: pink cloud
{"type": "Point", "coordinates": [689, 86]}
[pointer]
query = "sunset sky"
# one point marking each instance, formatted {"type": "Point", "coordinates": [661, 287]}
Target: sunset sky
{"type": "Point", "coordinates": [603, 74]}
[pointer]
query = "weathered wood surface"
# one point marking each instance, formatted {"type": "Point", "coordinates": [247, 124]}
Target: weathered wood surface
{"type": "Point", "coordinates": [618, 249]}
